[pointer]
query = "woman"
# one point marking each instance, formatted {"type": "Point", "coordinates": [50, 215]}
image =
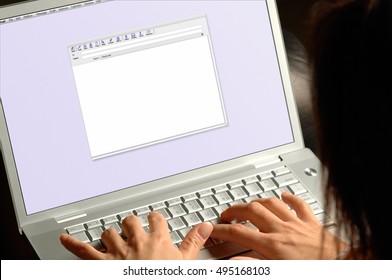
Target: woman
{"type": "Point", "coordinates": [351, 43]}
{"type": "Point", "coordinates": [350, 52]}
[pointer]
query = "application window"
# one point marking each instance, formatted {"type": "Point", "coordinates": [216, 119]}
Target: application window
{"type": "Point", "coordinates": [147, 86]}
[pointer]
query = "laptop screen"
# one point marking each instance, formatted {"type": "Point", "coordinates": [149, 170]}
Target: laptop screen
{"type": "Point", "coordinates": [110, 95]}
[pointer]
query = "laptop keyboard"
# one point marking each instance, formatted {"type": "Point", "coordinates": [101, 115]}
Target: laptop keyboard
{"type": "Point", "coordinates": [182, 213]}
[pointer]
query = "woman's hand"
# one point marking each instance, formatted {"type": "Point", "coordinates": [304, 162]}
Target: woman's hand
{"type": "Point", "coordinates": [282, 234]}
{"type": "Point", "coordinates": [141, 245]}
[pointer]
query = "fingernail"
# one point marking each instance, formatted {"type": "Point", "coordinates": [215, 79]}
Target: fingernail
{"type": "Point", "coordinates": [285, 194]}
{"type": "Point", "coordinates": [205, 230]}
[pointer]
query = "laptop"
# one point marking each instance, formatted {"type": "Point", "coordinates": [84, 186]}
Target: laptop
{"type": "Point", "coordinates": [117, 108]}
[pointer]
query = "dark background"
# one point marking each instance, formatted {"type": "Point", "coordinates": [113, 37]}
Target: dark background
{"type": "Point", "coordinates": [294, 19]}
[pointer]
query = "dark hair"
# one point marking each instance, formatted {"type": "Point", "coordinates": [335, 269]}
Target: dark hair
{"type": "Point", "coordinates": [350, 52]}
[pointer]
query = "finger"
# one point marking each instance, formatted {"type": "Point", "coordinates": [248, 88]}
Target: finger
{"type": "Point", "coordinates": [194, 240]}
{"type": "Point", "coordinates": [254, 212]}
{"type": "Point", "coordinates": [132, 228]}
{"type": "Point", "coordinates": [241, 258]}
{"type": "Point", "coordinates": [80, 249]}
{"type": "Point", "coordinates": [278, 207]}
{"type": "Point", "coordinates": [157, 223]}
{"type": "Point", "coordinates": [300, 207]}
{"type": "Point", "coordinates": [112, 240]}
{"type": "Point", "coordinates": [238, 233]}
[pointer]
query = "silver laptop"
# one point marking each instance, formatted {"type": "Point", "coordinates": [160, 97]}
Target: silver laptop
{"type": "Point", "coordinates": [117, 108]}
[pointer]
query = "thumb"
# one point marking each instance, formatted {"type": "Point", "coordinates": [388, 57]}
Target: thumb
{"type": "Point", "coordinates": [195, 240]}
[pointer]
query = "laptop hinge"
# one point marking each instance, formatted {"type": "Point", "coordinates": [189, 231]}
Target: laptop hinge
{"type": "Point", "coordinates": [71, 217]}
{"type": "Point", "coordinates": [267, 162]}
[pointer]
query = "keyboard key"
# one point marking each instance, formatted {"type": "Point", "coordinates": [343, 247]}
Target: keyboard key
{"type": "Point", "coordinates": [93, 224]}
{"type": "Point", "coordinates": [75, 229]}
{"type": "Point", "coordinates": [176, 238]}
{"type": "Point", "coordinates": [221, 188]}
{"type": "Point", "coordinates": [265, 175]}
{"type": "Point", "coordinates": [250, 180]}
{"type": "Point", "coordinates": [184, 231]}
{"type": "Point", "coordinates": [297, 189]}
{"type": "Point", "coordinates": [220, 208]}
{"type": "Point", "coordinates": [81, 236]}
{"type": "Point", "coordinates": [223, 197]}
{"type": "Point", "coordinates": [191, 219]}
{"type": "Point", "coordinates": [278, 192]}
{"type": "Point", "coordinates": [250, 198]}
{"type": "Point", "coordinates": [113, 225]}
{"type": "Point", "coordinates": [238, 193]}
{"type": "Point", "coordinates": [173, 201]}
{"type": "Point", "coordinates": [307, 197]}
{"type": "Point", "coordinates": [143, 219]}
{"type": "Point", "coordinates": [123, 215]}
{"type": "Point", "coordinates": [164, 213]}
{"type": "Point", "coordinates": [239, 201]}
{"type": "Point", "coordinates": [95, 233]}
{"type": "Point", "coordinates": [285, 180]}
{"type": "Point", "coordinates": [205, 193]}
{"type": "Point", "coordinates": [192, 206]}
{"type": "Point", "coordinates": [110, 219]}
{"type": "Point", "coordinates": [176, 211]}
{"type": "Point", "coordinates": [141, 210]}
{"type": "Point", "coordinates": [281, 171]}
{"type": "Point", "coordinates": [316, 208]}
{"type": "Point", "coordinates": [269, 194]}
{"type": "Point", "coordinates": [157, 206]}
{"type": "Point", "coordinates": [207, 215]}
{"type": "Point", "coordinates": [324, 219]}
{"type": "Point", "coordinates": [189, 197]}
{"type": "Point", "coordinates": [176, 223]}
{"type": "Point", "coordinates": [207, 202]}
{"type": "Point", "coordinates": [235, 184]}
{"type": "Point", "coordinates": [268, 185]}
{"type": "Point", "coordinates": [253, 188]}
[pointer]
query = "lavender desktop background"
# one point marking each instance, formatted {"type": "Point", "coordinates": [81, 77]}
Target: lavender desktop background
{"type": "Point", "coordinates": [44, 118]}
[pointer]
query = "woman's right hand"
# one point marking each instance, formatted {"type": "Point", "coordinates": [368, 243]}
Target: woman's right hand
{"type": "Point", "coordinates": [282, 234]}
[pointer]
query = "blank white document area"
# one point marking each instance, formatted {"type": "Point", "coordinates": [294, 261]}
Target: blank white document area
{"type": "Point", "coordinates": [149, 96]}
